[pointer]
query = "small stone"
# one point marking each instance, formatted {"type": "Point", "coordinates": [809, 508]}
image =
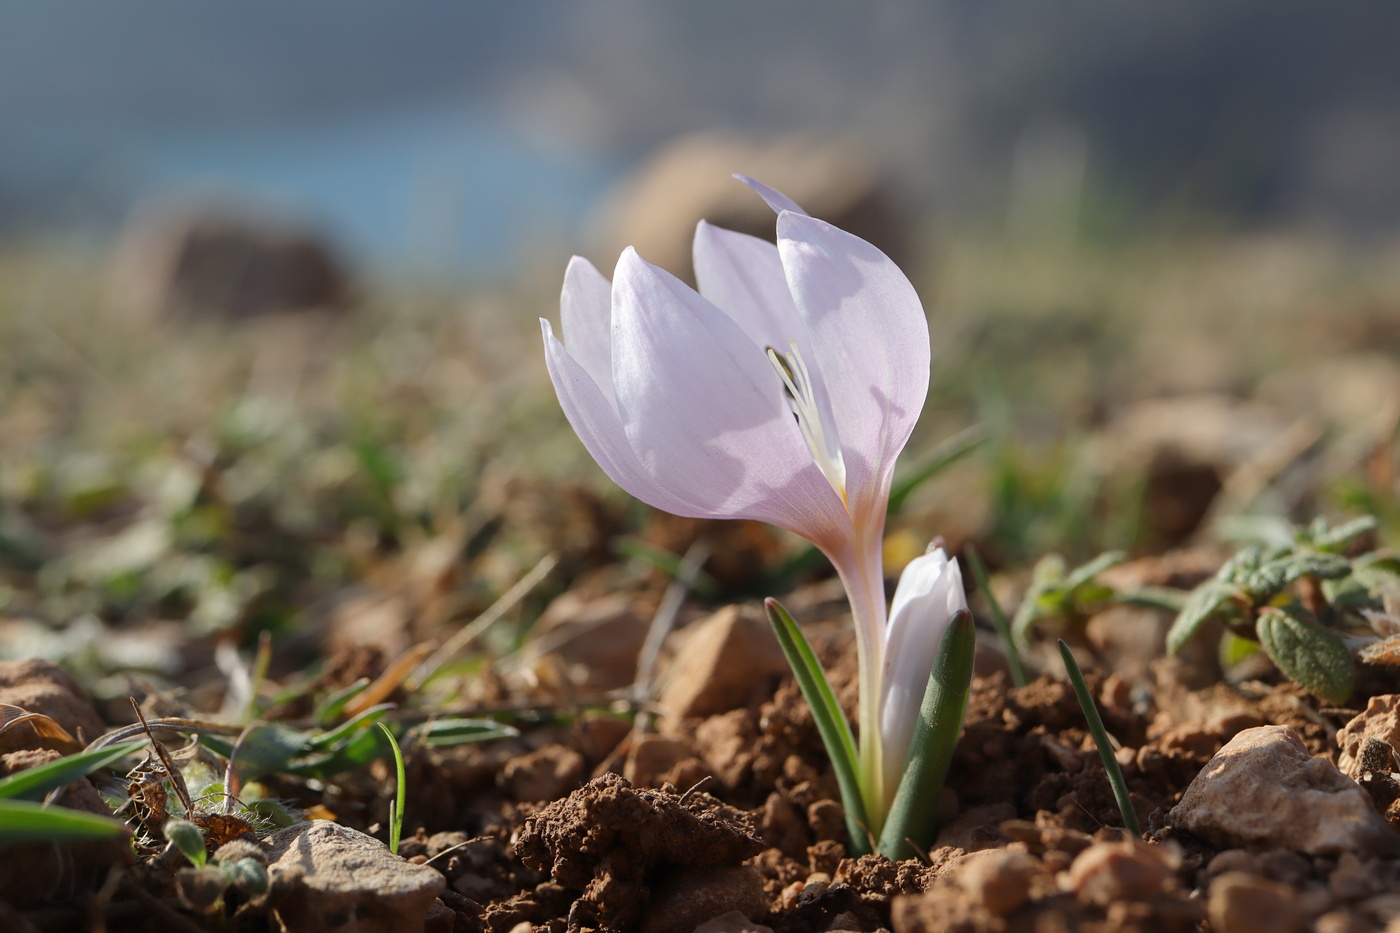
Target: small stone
{"type": "Point", "coordinates": [1111, 871]}
{"type": "Point", "coordinates": [1241, 903]}
{"type": "Point", "coordinates": [732, 922]}
{"type": "Point", "coordinates": [1263, 790]}
{"type": "Point", "coordinates": [1354, 879]}
{"type": "Point", "coordinates": [1380, 720]}
{"type": "Point", "coordinates": [689, 897]}
{"type": "Point", "coordinates": [328, 878]}
{"type": "Point", "coordinates": [845, 922]}
{"type": "Point", "coordinates": [1341, 921]}
{"type": "Point", "coordinates": [720, 661]}
{"type": "Point", "coordinates": [655, 759]}
{"type": "Point", "coordinates": [998, 880]}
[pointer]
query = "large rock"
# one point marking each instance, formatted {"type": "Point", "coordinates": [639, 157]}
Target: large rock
{"type": "Point", "coordinates": [211, 259]}
{"type": "Point", "coordinates": [328, 878]}
{"type": "Point", "coordinates": [1264, 791]}
{"type": "Point", "coordinates": [38, 686]}
{"type": "Point", "coordinates": [688, 180]}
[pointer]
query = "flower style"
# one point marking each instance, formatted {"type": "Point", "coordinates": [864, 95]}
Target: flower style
{"type": "Point", "coordinates": [783, 391]}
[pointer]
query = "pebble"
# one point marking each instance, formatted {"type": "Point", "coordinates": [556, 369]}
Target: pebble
{"type": "Point", "coordinates": [999, 880]}
{"type": "Point", "coordinates": [1263, 790]}
{"type": "Point", "coordinates": [1380, 720]}
{"type": "Point", "coordinates": [1241, 903]}
{"type": "Point", "coordinates": [1116, 871]}
{"type": "Point", "coordinates": [732, 922]}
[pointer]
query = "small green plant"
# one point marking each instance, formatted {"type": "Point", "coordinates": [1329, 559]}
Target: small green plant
{"type": "Point", "coordinates": [1062, 596]}
{"type": "Point", "coordinates": [1295, 602]}
{"type": "Point", "coordinates": [400, 792]}
{"type": "Point", "coordinates": [238, 867]}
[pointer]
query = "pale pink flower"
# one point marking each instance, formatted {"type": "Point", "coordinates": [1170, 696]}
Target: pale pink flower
{"type": "Point", "coordinates": [783, 391]}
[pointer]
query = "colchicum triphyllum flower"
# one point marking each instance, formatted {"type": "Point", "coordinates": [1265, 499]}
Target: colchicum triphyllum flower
{"type": "Point", "coordinates": [783, 391]}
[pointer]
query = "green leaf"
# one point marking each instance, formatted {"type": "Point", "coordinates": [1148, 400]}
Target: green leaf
{"type": "Point", "coordinates": [1337, 538]}
{"type": "Point", "coordinates": [1269, 580]}
{"type": "Point", "coordinates": [33, 783]}
{"type": "Point", "coordinates": [912, 821]}
{"type": "Point", "coordinates": [461, 731]}
{"type": "Point", "coordinates": [266, 748]}
{"type": "Point", "coordinates": [1088, 571]}
{"type": "Point", "coordinates": [1101, 739]}
{"type": "Point", "coordinates": [332, 706]}
{"type": "Point", "coordinates": [1046, 582]}
{"type": "Point", "coordinates": [1008, 644]}
{"type": "Point", "coordinates": [829, 717]}
{"type": "Point", "coordinates": [1314, 657]}
{"type": "Point", "coordinates": [189, 839]}
{"type": "Point", "coordinates": [1206, 600]}
{"type": "Point", "coordinates": [26, 821]}
{"type": "Point", "coordinates": [939, 459]}
{"type": "Point", "coordinates": [400, 791]}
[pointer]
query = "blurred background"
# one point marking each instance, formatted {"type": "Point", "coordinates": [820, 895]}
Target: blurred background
{"type": "Point", "coordinates": [270, 276]}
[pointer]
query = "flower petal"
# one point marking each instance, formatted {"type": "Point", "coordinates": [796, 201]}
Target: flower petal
{"type": "Point", "coordinates": [596, 423]}
{"type": "Point", "coordinates": [585, 321]}
{"type": "Point", "coordinates": [871, 343]}
{"type": "Point", "coordinates": [743, 276]}
{"type": "Point", "coordinates": [703, 408]}
{"type": "Point", "coordinates": [930, 591]}
{"type": "Point", "coordinates": [775, 199]}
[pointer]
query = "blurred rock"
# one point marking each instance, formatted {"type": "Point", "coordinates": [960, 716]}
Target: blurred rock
{"type": "Point", "coordinates": [1190, 450]}
{"type": "Point", "coordinates": [689, 180]}
{"type": "Point", "coordinates": [1264, 791]}
{"type": "Point", "coordinates": [210, 260]}
{"type": "Point", "coordinates": [1241, 903]}
{"type": "Point", "coordinates": [1380, 720]}
{"type": "Point", "coordinates": [596, 641]}
{"type": "Point", "coordinates": [719, 662]}
{"type": "Point", "coordinates": [41, 687]}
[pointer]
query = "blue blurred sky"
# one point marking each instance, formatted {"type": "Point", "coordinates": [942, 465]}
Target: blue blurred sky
{"type": "Point", "coordinates": [452, 134]}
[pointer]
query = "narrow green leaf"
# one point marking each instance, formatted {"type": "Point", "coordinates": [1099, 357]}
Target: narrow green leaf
{"type": "Point", "coordinates": [913, 817]}
{"type": "Point", "coordinates": [829, 717]}
{"type": "Point", "coordinates": [1337, 538]}
{"type": "Point", "coordinates": [26, 821]}
{"type": "Point", "coordinates": [461, 731]}
{"type": "Point", "coordinates": [33, 783]}
{"type": "Point", "coordinates": [400, 792]}
{"type": "Point", "coordinates": [1042, 597]}
{"type": "Point", "coordinates": [1003, 627]}
{"type": "Point", "coordinates": [265, 748]}
{"type": "Point", "coordinates": [1088, 571]}
{"type": "Point", "coordinates": [1105, 746]}
{"type": "Point", "coordinates": [939, 459]}
{"type": "Point", "coordinates": [1314, 657]}
{"type": "Point", "coordinates": [332, 706]}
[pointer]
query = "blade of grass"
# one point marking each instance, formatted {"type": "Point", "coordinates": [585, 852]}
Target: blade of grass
{"type": "Point", "coordinates": [1110, 763]}
{"type": "Point", "coordinates": [34, 783]}
{"type": "Point", "coordinates": [27, 821]}
{"type": "Point", "coordinates": [400, 792]}
{"type": "Point", "coordinates": [946, 453]}
{"type": "Point", "coordinates": [1003, 625]}
{"type": "Point", "coordinates": [830, 719]}
{"type": "Point", "coordinates": [913, 818]}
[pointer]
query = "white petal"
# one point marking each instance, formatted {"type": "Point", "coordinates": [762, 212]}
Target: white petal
{"type": "Point", "coordinates": [705, 412]}
{"type": "Point", "coordinates": [775, 198]}
{"type": "Point", "coordinates": [930, 592]}
{"type": "Point", "coordinates": [743, 276]}
{"type": "Point", "coordinates": [596, 422]}
{"type": "Point", "coordinates": [870, 339]}
{"type": "Point", "coordinates": [585, 321]}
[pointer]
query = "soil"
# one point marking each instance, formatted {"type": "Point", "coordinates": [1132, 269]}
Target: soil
{"type": "Point", "coordinates": [732, 821]}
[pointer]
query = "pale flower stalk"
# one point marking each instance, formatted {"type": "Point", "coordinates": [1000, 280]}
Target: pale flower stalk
{"type": "Point", "coordinates": [782, 391]}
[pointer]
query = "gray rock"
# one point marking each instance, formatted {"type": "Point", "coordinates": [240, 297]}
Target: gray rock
{"type": "Point", "coordinates": [327, 878]}
{"type": "Point", "coordinates": [1264, 791]}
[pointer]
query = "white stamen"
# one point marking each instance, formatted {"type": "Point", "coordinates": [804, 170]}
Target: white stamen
{"type": "Point", "coordinates": [792, 369]}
